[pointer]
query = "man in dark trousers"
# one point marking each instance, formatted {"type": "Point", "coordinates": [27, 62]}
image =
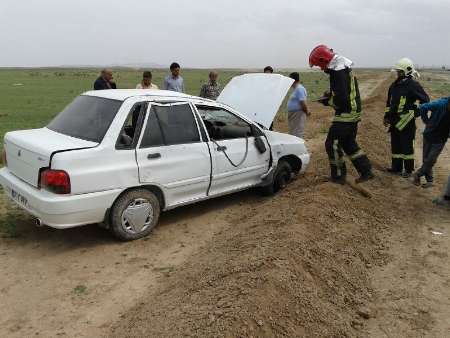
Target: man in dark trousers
{"type": "Point", "coordinates": [400, 112]}
{"type": "Point", "coordinates": [435, 136]}
{"type": "Point", "coordinates": [346, 102]}
{"type": "Point", "coordinates": [105, 80]}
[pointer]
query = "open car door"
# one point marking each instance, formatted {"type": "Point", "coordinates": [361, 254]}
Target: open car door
{"type": "Point", "coordinates": [256, 96]}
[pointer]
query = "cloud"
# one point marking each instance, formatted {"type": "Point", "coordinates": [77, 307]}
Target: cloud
{"type": "Point", "coordinates": [212, 33]}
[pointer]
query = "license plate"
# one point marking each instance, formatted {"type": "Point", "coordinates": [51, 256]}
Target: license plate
{"type": "Point", "coordinates": [19, 198]}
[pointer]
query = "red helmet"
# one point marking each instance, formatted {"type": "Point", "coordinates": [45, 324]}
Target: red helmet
{"type": "Point", "coordinates": [321, 56]}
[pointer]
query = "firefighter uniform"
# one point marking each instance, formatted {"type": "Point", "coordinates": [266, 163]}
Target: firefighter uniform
{"type": "Point", "coordinates": [400, 114]}
{"type": "Point", "coordinates": [342, 134]}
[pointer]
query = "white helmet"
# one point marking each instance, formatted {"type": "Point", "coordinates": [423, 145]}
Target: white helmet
{"type": "Point", "coordinates": [407, 66]}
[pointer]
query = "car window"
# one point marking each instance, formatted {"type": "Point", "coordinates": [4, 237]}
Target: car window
{"type": "Point", "coordinates": [87, 118]}
{"type": "Point", "coordinates": [130, 131]}
{"type": "Point", "coordinates": [169, 125]}
{"type": "Point", "coordinates": [222, 124]}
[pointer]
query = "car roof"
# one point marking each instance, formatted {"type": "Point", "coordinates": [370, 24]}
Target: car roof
{"type": "Point", "coordinates": [123, 94]}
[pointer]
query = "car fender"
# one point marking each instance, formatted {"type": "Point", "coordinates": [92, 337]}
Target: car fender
{"type": "Point", "coordinates": [287, 146]}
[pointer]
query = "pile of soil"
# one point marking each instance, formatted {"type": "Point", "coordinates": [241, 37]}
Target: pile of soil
{"type": "Point", "coordinates": [294, 265]}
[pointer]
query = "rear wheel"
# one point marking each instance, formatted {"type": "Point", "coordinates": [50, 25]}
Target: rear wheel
{"type": "Point", "coordinates": [281, 178]}
{"type": "Point", "coordinates": [134, 214]}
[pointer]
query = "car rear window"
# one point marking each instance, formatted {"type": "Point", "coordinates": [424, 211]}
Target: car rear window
{"type": "Point", "coordinates": [87, 118]}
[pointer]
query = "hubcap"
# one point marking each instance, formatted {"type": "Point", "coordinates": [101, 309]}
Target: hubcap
{"type": "Point", "coordinates": [138, 216]}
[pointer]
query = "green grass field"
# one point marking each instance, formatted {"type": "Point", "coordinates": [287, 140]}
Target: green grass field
{"type": "Point", "coordinates": [437, 82]}
{"type": "Point", "coordinates": [31, 98]}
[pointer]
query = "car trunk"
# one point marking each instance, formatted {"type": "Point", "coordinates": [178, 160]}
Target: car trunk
{"type": "Point", "coordinates": [27, 151]}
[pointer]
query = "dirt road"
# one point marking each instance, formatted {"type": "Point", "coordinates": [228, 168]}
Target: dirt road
{"type": "Point", "coordinates": [317, 260]}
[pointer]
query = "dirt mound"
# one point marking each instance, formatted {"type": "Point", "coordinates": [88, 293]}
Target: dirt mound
{"type": "Point", "coordinates": [296, 265]}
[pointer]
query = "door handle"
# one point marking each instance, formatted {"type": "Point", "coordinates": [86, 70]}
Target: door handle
{"type": "Point", "coordinates": [153, 156]}
{"type": "Point", "coordinates": [221, 148]}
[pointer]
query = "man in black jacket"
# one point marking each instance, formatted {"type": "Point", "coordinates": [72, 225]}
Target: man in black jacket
{"type": "Point", "coordinates": [105, 80]}
{"type": "Point", "coordinates": [346, 101]}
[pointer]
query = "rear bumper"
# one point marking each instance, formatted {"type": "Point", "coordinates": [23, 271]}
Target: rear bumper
{"type": "Point", "coordinates": [58, 211]}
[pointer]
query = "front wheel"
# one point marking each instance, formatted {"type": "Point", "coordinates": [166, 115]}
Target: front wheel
{"type": "Point", "coordinates": [281, 178]}
{"type": "Point", "coordinates": [134, 214]}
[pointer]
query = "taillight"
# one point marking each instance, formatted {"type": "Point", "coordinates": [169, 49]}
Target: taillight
{"type": "Point", "coordinates": [56, 181]}
{"type": "Point", "coordinates": [4, 160]}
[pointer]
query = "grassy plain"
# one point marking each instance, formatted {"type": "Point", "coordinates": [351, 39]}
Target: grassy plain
{"type": "Point", "coordinates": [30, 98]}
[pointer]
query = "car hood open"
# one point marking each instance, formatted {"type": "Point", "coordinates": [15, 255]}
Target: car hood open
{"type": "Point", "coordinates": [256, 96]}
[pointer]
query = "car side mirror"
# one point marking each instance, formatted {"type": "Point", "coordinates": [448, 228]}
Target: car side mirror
{"type": "Point", "coordinates": [255, 131]}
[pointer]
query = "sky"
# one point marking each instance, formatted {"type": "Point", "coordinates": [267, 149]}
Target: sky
{"type": "Point", "coordinates": [222, 33]}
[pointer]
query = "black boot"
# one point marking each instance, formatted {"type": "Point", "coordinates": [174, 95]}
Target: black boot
{"type": "Point", "coordinates": [365, 177]}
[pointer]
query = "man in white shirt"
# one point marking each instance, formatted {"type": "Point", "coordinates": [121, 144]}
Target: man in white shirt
{"type": "Point", "coordinates": [146, 82]}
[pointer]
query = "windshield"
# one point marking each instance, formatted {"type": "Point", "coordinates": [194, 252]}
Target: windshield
{"type": "Point", "coordinates": [87, 118]}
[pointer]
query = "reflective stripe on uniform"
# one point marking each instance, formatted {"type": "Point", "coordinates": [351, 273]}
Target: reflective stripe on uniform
{"type": "Point", "coordinates": [354, 115]}
{"type": "Point", "coordinates": [347, 118]}
{"type": "Point", "coordinates": [401, 105]}
{"type": "Point", "coordinates": [387, 109]}
{"type": "Point", "coordinates": [353, 94]}
{"type": "Point", "coordinates": [404, 120]}
{"type": "Point", "coordinates": [337, 158]}
{"type": "Point", "coordinates": [356, 155]}
{"type": "Point", "coordinates": [339, 162]}
{"type": "Point", "coordinates": [403, 156]}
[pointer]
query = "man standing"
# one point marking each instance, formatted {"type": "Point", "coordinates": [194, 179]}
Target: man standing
{"type": "Point", "coordinates": [105, 80]}
{"type": "Point", "coordinates": [346, 102]}
{"type": "Point", "coordinates": [297, 108]}
{"type": "Point", "coordinates": [268, 70]}
{"type": "Point", "coordinates": [399, 115]}
{"type": "Point", "coordinates": [146, 82]}
{"type": "Point", "coordinates": [174, 81]}
{"type": "Point", "coordinates": [435, 136]}
{"type": "Point", "coordinates": [211, 90]}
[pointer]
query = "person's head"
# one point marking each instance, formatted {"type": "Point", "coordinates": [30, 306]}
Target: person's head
{"type": "Point", "coordinates": [175, 69]}
{"type": "Point", "coordinates": [213, 76]}
{"type": "Point", "coordinates": [106, 74]}
{"type": "Point", "coordinates": [321, 56]}
{"type": "Point", "coordinates": [296, 77]}
{"type": "Point", "coordinates": [405, 67]}
{"type": "Point", "coordinates": [147, 78]}
{"type": "Point", "coordinates": [268, 70]}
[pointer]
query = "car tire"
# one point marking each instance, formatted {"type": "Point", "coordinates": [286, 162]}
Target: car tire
{"type": "Point", "coordinates": [134, 214]}
{"type": "Point", "coordinates": [281, 178]}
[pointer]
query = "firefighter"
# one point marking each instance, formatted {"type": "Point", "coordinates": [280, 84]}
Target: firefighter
{"type": "Point", "coordinates": [400, 114]}
{"type": "Point", "coordinates": [346, 102]}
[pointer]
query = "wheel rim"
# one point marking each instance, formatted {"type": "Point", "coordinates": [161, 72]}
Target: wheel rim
{"type": "Point", "coordinates": [138, 216]}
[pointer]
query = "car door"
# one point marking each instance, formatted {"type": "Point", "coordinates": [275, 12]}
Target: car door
{"type": "Point", "coordinates": [237, 162]}
{"type": "Point", "coordinates": [172, 155]}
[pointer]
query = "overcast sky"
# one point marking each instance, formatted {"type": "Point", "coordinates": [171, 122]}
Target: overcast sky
{"type": "Point", "coordinates": [221, 33]}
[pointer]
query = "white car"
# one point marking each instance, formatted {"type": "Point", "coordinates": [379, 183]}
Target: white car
{"type": "Point", "coordinates": [119, 157]}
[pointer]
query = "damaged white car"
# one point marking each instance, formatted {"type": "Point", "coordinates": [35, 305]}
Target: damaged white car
{"type": "Point", "coordinates": [120, 157]}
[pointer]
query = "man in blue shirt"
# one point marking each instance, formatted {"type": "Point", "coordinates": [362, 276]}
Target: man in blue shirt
{"type": "Point", "coordinates": [297, 108]}
{"type": "Point", "coordinates": [174, 81]}
{"type": "Point", "coordinates": [435, 136]}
